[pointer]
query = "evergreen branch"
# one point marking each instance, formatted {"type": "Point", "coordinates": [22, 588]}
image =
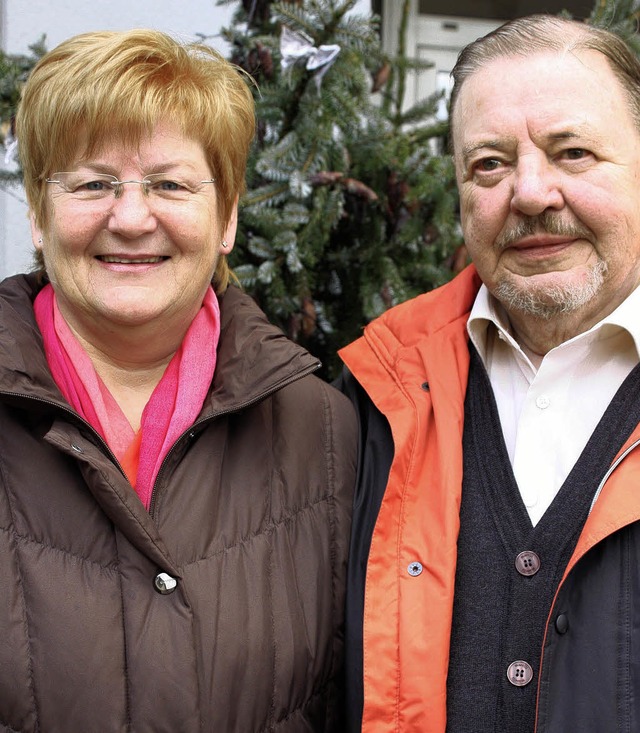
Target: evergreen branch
{"type": "Point", "coordinates": [418, 138]}
{"type": "Point", "coordinates": [402, 33]}
{"type": "Point", "coordinates": [264, 194]}
{"type": "Point", "coordinates": [420, 110]}
{"type": "Point", "coordinates": [414, 64]}
{"type": "Point", "coordinates": [8, 189]}
{"type": "Point", "coordinates": [295, 18]}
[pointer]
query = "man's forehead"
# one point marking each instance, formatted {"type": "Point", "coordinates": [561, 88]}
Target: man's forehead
{"type": "Point", "coordinates": [543, 85]}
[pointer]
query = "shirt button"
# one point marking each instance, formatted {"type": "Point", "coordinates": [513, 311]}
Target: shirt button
{"type": "Point", "coordinates": [543, 402]}
{"type": "Point", "coordinates": [414, 568]}
{"type": "Point", "coordinates": [519, 673]}
{"type": "Point", "coordinates": [164, 583]}
{"type": "Point", "coordinates": [527, 563]}
{"type": "Point", "coordinates": [562, 623]}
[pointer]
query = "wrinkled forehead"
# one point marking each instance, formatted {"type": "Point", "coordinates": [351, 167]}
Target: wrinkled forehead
{"type": "Point", "coordinates": [165, 141]}
{"type": "Point", "coordinates": [544, 87]}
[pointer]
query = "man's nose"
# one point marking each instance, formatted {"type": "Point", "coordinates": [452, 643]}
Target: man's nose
{"type": "Point", "coordinates": [536, 186]}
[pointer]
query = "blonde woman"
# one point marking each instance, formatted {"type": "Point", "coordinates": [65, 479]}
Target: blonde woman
{"type": "Point", "coordinates": [175, 485]}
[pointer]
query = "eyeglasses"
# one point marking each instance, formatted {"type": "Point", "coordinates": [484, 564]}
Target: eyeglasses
{"type": "Point", "coordinates": [100, 186]}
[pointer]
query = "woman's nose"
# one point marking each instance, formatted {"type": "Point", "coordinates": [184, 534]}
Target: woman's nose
{"type": "Point", "coordinates": [131, 213]}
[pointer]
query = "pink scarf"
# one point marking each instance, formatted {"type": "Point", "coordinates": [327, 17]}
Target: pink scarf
{"type": "Point", "coordinates": [171, 409]}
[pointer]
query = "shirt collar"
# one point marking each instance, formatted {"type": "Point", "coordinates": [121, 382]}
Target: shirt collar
{"type": "Point", "coordinates": [487, 310]}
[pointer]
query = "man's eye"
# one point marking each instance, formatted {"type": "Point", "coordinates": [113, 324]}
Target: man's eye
{"type": "Point", "coordinates": [487, 164]}
{"type": "Point", "coordinates": [575, 153]}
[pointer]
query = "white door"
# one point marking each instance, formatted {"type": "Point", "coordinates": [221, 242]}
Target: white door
{"type": "Point", "coordinates": [434, 38]}
{"type": "Point", "coordinates": [440, 39]}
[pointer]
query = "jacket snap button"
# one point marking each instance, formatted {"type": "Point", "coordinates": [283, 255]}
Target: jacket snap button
{"type": "Point", "coordinates": [414, 568]}
{"type": "Point", "coordinates": [562, 623]}
{"type": "Point", "coordinates": [519, 673]}
{"type": "Point", "coordinates": [164, 583]}
{"type": "Point", "coordinates": [76, 448]}
{"type": "Point", "coordinates": [527, 563]}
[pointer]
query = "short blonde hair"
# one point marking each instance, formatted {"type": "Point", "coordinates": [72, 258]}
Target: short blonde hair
{"type": "Point", "coordinates": [124, 83]}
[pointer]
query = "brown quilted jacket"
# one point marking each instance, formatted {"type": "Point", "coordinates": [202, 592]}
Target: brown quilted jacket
{"type": "Point", "coordinates": [250, 515]}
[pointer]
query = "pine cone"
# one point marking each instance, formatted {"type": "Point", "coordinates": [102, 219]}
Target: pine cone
{"type": "Point", "coordinates": [266, 61]}
{"type": "Point", "coordinates": [397, 191]}
{"type": "Point", "coordinates": [309, 317]}
{"type": "Point", "coordinates": [360, 189]}
{"type": "Point", "coordinates": [325, 178]}
{"type": "Point", "coordinates": [381, 77]}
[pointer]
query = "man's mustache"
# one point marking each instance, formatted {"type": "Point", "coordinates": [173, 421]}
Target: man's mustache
{"type": "Point", "coordinates": [545, 223]}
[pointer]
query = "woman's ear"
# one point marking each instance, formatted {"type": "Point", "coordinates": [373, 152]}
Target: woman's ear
{"type": "Point", "coordinates": [36, 232]}
{"type": "Point", "coordinates": [229, 234]}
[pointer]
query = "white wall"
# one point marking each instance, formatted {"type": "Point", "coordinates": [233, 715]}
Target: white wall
{"type": "Point", "coordinates": [27, 20]}
{"type": "Point", "coordinates": [23, 21]}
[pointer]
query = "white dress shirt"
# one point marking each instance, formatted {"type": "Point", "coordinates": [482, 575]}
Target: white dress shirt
{"type": "Point", "coordinates": [548, 414]}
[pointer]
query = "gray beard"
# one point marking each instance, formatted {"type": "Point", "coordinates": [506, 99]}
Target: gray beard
{"type": "Point", "coordinates": [545, 303]}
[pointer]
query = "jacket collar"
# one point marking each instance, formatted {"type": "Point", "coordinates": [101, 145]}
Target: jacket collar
{"type": "Point", "coordinates": [422, 341]}
{"type": "Point", "coordinates": [403, 327]}
{"type": "Point", "coordinates": [23, 365]}
{"type": "Point", "coordinates": [254, 357]}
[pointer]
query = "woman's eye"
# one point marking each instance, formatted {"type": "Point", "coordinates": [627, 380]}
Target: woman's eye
{"type": "Point", "coordinates": [167, 185]}
{"type": "Point", "coordinates": [93, 185]}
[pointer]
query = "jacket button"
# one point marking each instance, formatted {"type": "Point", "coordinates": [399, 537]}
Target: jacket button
{"type": "Point", "coordinates": [562, 623]}
{"type": "Point", "coordinates": [164, 583]}
{"type": "Point", "coordinates": [527, 563]}
{"type": "Point", "coordinates": [519, 673]}
{"type": "Point", "coordinates": [414, 568]}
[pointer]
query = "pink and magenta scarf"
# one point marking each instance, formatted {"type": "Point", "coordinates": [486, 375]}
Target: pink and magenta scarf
{"type": "Point", "coordinates": [172, 408]}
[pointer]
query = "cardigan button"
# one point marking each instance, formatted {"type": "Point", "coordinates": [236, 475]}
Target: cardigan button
{"type": "Point", "coordinates": [519, 673]}
{"type": "Point", "coordinates": [562, 623]}
{"type": "Point", "coordinates": [164, 583]}
{"type": "Point", "coordinates": [527, 563]}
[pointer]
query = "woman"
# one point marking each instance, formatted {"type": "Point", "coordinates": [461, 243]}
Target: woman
{"type": "Point", "coordinates": [175, 485]}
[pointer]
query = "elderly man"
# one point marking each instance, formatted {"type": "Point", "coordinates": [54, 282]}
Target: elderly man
{"type": "Point", "coordinates": [495, 574]}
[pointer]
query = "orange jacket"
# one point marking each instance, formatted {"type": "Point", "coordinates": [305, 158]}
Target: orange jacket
{"type": "Point", "coordinates": [407, 617]}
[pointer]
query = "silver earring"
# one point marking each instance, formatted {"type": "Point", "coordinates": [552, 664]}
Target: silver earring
{"type": "Point", "coordinates": [40, 240]}
{"type": "Point", "coordinates": [224, 243]}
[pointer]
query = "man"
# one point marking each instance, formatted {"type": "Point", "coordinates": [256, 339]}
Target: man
{"type": "Point", "coordinates": [495, 573]}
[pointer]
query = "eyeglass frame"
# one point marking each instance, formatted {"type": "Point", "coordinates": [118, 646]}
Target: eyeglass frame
{"type": "Point", "coordinates": [118, 184]}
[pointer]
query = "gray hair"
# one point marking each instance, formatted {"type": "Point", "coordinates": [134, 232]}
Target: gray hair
{"type": "Point", "coordinates": [538, 33]}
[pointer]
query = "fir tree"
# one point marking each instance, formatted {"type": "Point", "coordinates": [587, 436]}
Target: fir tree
{"type": "Point", "coordinates": [618, 16]}
{"type": "Point", "coordinates": [351, 206]}
{"type": "Point", "coordinates": [14, 70]}
{"type": "Point", "coordinates": [349, 210]}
